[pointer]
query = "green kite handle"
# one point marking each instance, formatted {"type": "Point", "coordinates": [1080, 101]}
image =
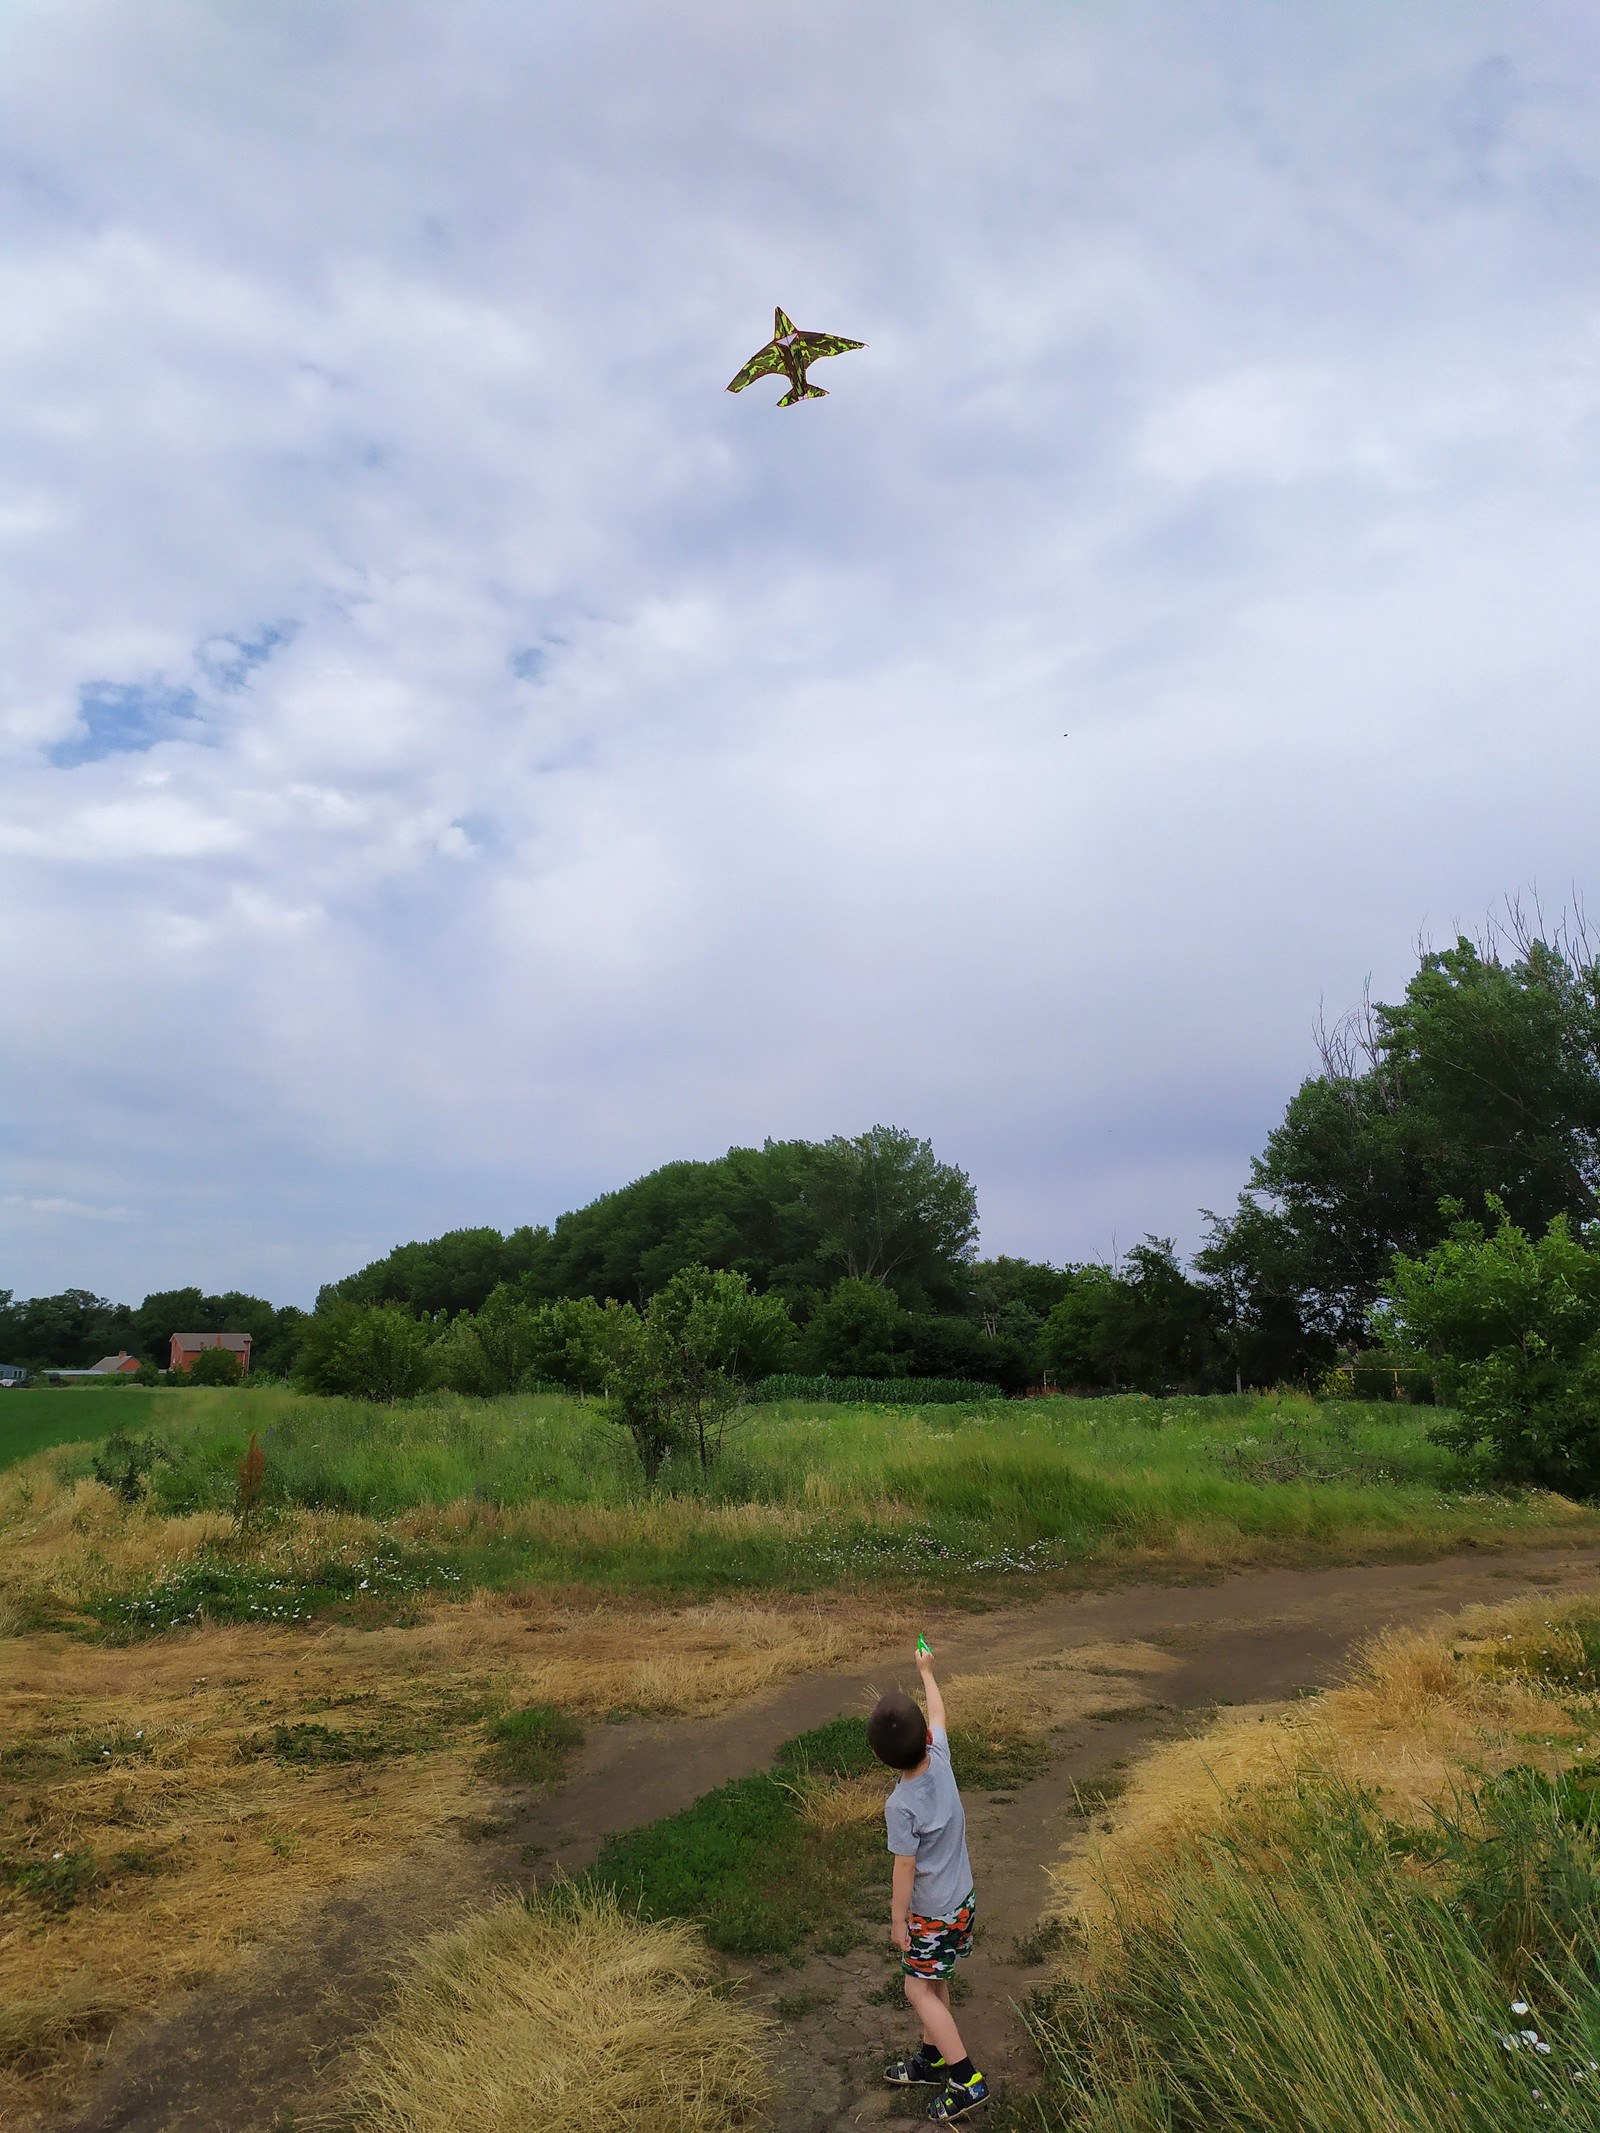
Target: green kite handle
{"type": "Point", "coordinates": [924, 1648]}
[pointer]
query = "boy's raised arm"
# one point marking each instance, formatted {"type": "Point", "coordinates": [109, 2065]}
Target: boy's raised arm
{"type": "Point", "coordinates": [930, 1687]}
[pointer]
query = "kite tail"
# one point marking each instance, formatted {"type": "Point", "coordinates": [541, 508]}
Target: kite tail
{"type": "Point", "coordinates": [803, 392]}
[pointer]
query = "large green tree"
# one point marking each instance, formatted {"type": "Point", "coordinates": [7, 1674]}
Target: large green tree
{"type": "Point", "coordinates": [1142, 1327]}
{"type": "Point", "coordinates": [68, 1331]}
{"type": "Point", "coordinates": [456, 1272]}
{"type": "Point", "coordinates": [1483, 1080]}
{"type": "Point", "coordinates": [791, 1216]}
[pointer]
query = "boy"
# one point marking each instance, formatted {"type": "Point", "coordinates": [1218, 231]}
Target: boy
{"type": "Point", "coordinates": [930, 1921]}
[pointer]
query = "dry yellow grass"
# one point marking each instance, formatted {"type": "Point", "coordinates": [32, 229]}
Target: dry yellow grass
{"type": "Point", "coordinates": [563, 2012]}
{"type": "Point", "coordinates": [828, 1804]}
{"type": "Point", "coordinates": [203, 1844]}
{"type": "Point", "coordinates": [1417, 1710]}
{"type": "Point", "coordinates": [1027, 1701]}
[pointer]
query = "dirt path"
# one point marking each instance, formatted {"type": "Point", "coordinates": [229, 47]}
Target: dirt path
{"type": "Point", "coordinates": [257, 2050]}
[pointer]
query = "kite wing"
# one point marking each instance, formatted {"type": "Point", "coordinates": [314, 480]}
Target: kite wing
{"type": "Point", "coordinates": [761, 365]}
{"type": "Point", "coordinates": [810, 346]}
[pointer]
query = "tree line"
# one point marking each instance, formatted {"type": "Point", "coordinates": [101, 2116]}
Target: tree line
{"type": "Point", "coordinates": [1475, 1098]}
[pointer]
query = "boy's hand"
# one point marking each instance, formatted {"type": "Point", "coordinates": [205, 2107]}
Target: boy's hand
{"type": "Point", "coordinates": [900, 1934]}
{"type": "Point", "coordinates": [924, 1656]}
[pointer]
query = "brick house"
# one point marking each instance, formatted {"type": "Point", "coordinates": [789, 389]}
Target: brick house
{"type": "Point", "coordinates": [186, 1346]}
{"type": "Point", "coordinates": [122, 1364]}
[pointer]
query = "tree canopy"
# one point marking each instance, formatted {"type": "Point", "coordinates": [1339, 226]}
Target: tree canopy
{"type": "Point", "coordinates": [1484, 1080]}
{"type": "Point", "coordinates": [791, 1216]}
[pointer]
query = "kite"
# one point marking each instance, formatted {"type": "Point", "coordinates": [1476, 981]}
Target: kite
{"type": "Point", "coordinates": [792, 352]}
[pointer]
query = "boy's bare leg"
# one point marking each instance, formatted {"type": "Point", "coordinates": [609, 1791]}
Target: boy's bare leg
{"type": "Point", "coordinates": [930, 2003]}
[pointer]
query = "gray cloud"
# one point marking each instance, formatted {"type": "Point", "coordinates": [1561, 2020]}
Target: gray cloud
{"type": "Point", "coordinates": [456, 757]}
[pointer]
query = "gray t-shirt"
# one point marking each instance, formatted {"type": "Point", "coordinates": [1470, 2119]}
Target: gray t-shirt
{"type": "Point", "coordinates": [924, 1815]}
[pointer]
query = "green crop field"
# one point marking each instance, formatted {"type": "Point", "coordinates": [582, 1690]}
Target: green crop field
{"type": "Point", "coordinates": [34, 1418]}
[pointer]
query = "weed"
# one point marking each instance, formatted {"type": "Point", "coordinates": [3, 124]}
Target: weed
{"type": "Point", "coordinates": [1343, 1914]}
{"type": "Point", "coordinates": [795, 2006]}
{"type": "Point", "coordinates": [456, 1494]}
{"type": "Point", "coordinates": [123, 1464]}
{"type": "Point", "coordinates": [532, 1745]}
{"type": "Point", "coordinates": [1048, 1938]}
{"type": "Point", "coordinates": [56, 1882]}
{"type": "Point", "coordinates": [309, 1741]}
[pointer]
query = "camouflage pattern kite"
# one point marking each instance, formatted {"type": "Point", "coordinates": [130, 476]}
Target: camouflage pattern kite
{"type": "Point", "coordinates": [792, 352]}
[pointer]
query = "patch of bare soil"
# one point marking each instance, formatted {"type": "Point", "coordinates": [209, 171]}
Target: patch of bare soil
{"type": "Point", "coordinates": [259, 2051]}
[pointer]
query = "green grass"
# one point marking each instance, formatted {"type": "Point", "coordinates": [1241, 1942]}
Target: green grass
{"type": "Point", "coordinates": [1346, 1974]}
{"type": "Point", "coordinates": [533, 1745]}
{"type": "Point", "coordinates": [742, 1864]}
{"type": "Point", "coordinates": [33, 1420]}
{"type": "Point", "coordinates": [545, 1489]}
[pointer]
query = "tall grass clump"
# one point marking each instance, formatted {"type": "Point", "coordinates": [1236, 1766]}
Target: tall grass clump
{"type": "Point", "coordinates": [562, 2009]}
{"type": "Point", "coordinates": [379, 1460]}
{"type": "Point", "coordinates": [1376, 1914]}
{"type": "Point", "coordinates": [1327, 1980]}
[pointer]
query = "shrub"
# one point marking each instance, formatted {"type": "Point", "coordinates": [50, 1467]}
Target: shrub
{"type": "Point", "coordinates": [368, 1352]}
{"type": "Point", "coordinates": [859, 1329]}
{"type": "Point", "coordinates": [215, 1366]}
{"type": "Point", "coordinates": [682, 1376]}
{"type": "Point", "coordinates": [123, 1463]}
{"type": "Point", "coordinates": [1512, 1327]}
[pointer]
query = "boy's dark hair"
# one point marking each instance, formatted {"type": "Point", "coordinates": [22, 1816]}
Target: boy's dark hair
{"type": "Point", "coordinates": [897, 1732]}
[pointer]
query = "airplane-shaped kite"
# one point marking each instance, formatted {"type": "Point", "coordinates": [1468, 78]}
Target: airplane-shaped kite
{"type": "Point", "coordinates": [792, 352]}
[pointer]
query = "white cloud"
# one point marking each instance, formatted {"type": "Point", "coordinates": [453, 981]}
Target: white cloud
{"type": "Point", "coordinates": [455, 756]}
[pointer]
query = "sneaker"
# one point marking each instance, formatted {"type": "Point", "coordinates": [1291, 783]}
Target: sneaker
{"type": "Point", "coordinates": [922, 2066]}
{"type": "Point", "coordinates": [958, 2098]}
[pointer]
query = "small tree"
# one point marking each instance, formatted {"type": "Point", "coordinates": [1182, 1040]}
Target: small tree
{"type": "Point", "coordinates": [1511, 1325]}
{"type": "Point", "coordinates": [682, 1378]}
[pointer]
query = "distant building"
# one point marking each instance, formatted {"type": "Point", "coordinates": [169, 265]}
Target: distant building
{"type": "Point", "coordinates": [122, 1364]}
{"type": "Point", "coordinates": [12, 1374]}
{"type": "Point", "coordinates": [186, 1346]}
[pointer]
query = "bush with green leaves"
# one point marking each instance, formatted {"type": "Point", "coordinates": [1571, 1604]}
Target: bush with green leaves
{"type": "Point", "coordinates": [513, 1346]}
{"type": "Point", "coordinates": [682, 1376]}
{"type": "Point", "coordinates": [214, 1366]}
{"type": "Point", "coordinates": [124, 1464]}
{"type": "Point", "coordinates": [859, 1330]}
{"type": "Point", "coordinates": [1511, 1326]}
{"type": "Point", "coordinates": [365, 1352]}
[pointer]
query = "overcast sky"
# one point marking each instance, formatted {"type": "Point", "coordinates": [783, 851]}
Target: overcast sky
{"type": "Point", "coordinates": [454, 757]}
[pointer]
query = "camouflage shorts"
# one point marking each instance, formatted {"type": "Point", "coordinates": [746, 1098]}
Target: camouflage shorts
{"type": "Point", "coordinates": [937, 1943]}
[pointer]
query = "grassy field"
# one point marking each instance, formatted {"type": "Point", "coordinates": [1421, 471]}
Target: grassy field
{"type": "Point", "coordinates": [1379, 1910]}
{"type": "Point", "coordinates": [32, 1419]}
{"type": "Point", "coordinates": [368, 1512]}
{"type": "Point", "coordinates": [488, 1579]}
